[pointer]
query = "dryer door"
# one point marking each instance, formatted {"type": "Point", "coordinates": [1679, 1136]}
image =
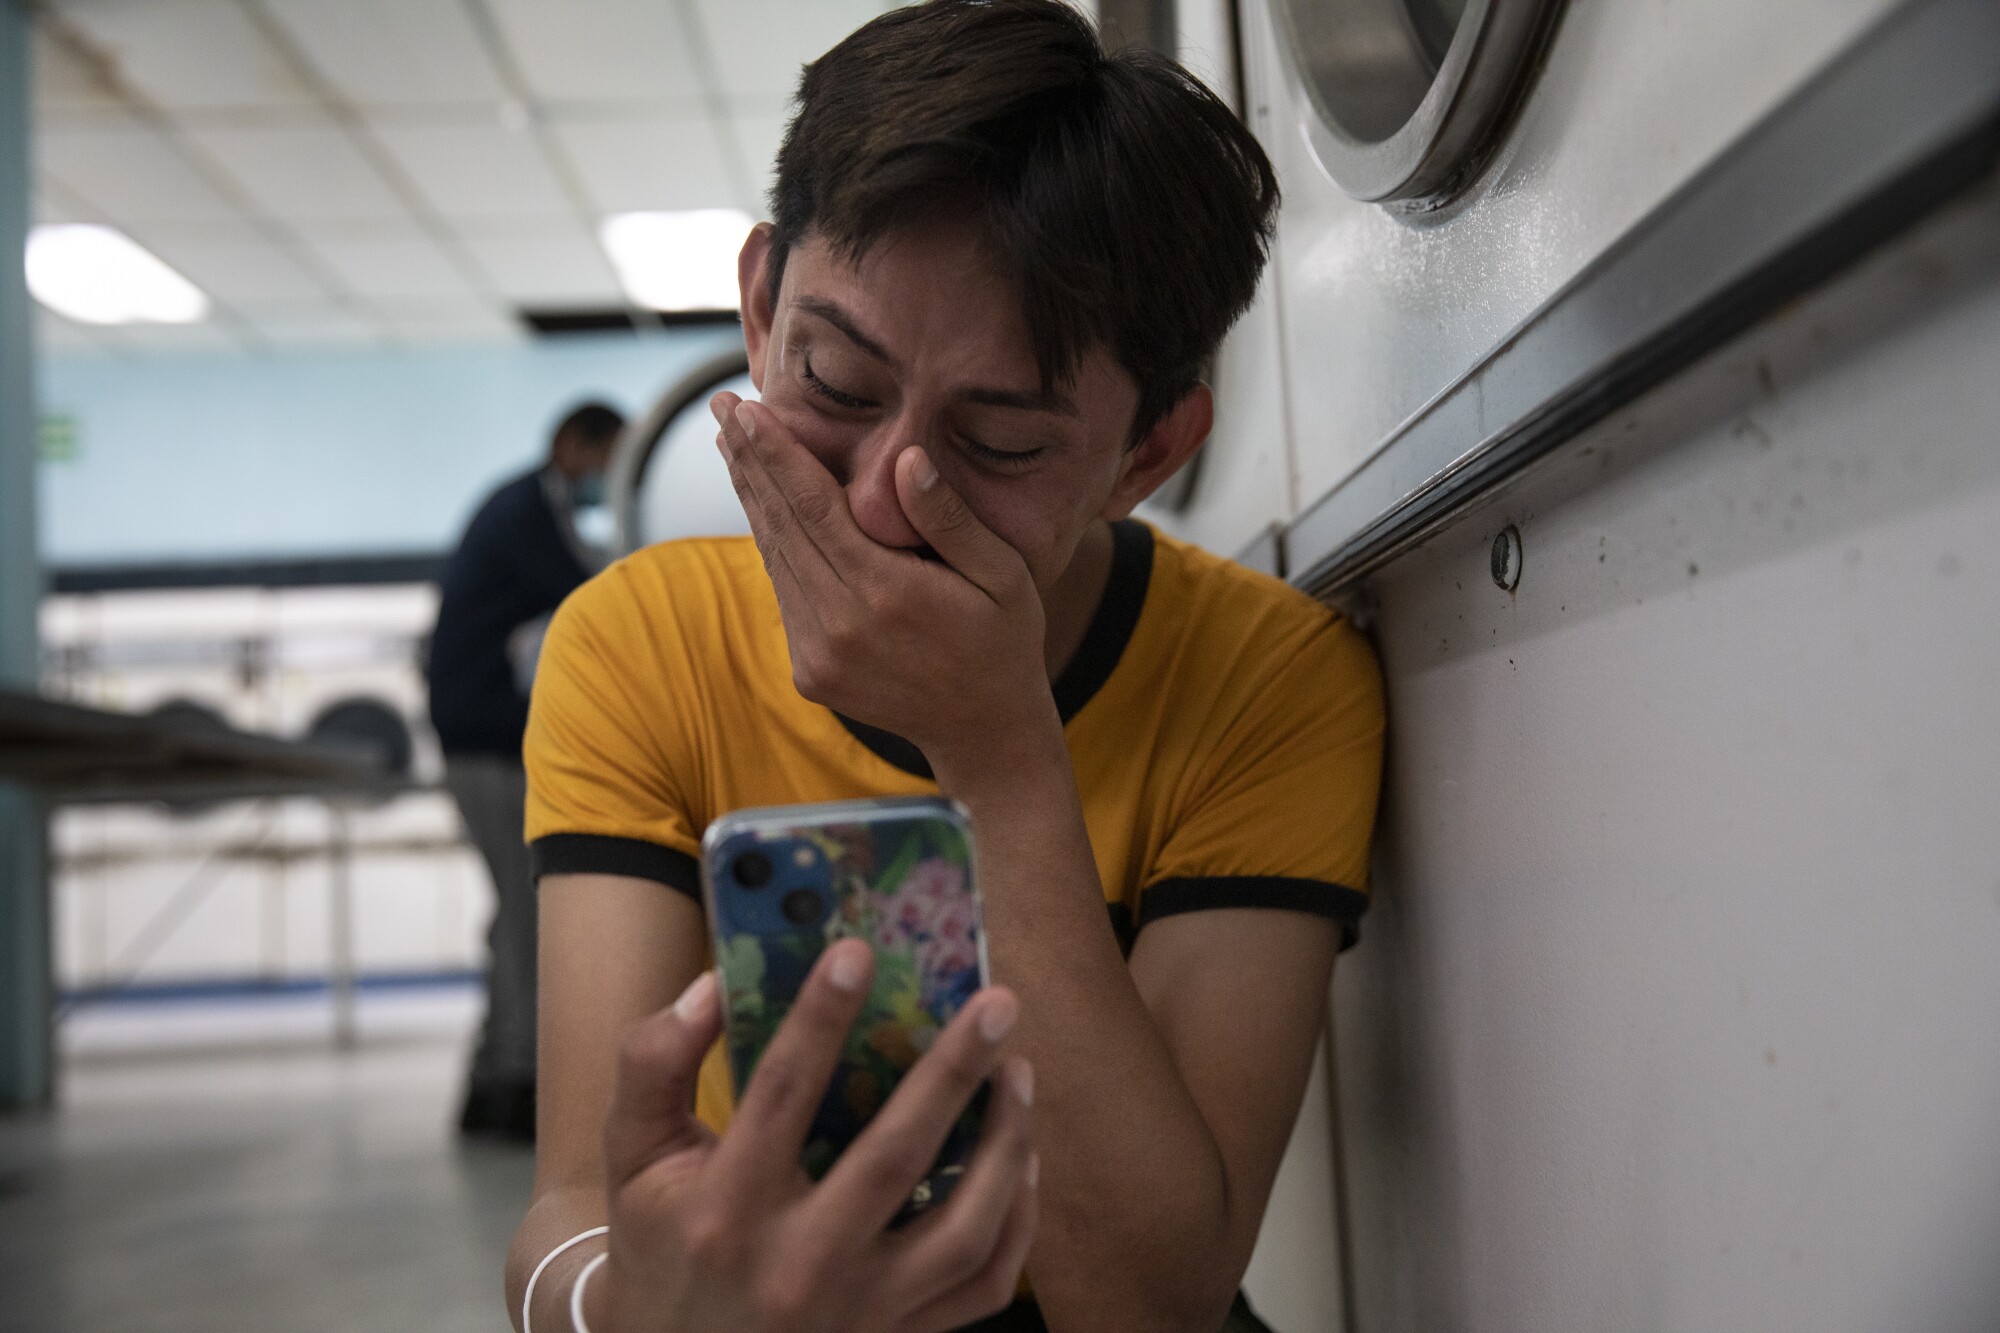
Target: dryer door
{"type": "Point", "coordinates": [1409, 94]}
{"type": "Point", "coordinates": [667, 479]}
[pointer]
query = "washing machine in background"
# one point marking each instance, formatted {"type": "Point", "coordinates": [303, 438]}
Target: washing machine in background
{"type": "Point", "coordinates": [201, 896]}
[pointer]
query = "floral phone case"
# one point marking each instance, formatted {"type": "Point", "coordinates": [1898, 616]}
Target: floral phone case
{"type": "Point", "coordinates": [782, 883]}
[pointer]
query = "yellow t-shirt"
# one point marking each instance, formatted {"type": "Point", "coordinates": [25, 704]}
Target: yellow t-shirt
{"type": "Point", "coordinates": [1226, 732]}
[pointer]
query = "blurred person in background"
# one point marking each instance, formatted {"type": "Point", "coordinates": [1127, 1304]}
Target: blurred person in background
{"type": "Point", "coordinates": [519, 557]}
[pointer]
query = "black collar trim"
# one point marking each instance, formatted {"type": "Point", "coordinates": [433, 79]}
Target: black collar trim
{"type": "Point", "coordinates": [1111, 628]}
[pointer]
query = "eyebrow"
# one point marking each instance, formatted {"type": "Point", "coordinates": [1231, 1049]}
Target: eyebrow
{"type": "Point", "coordinates": [1040, 400]}
{"type": "Point", "coordinates": [837, 317]}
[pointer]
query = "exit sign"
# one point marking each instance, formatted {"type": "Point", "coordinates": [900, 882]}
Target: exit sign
{"type": "Point", "coordinates": [58, 438]}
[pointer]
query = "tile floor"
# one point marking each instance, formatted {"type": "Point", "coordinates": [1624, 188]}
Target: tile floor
{"type": "Point", "coordinates": [226, 1169]}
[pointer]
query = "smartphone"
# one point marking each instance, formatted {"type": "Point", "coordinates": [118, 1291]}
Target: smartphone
{"type": "Point", "coordinates": [784, 882]}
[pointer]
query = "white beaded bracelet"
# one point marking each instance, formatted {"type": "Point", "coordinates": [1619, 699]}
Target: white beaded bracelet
{"type": "Point", "coordinates": [576, 1293]}
{"type": "Point", "coordinates": [528, 1296]}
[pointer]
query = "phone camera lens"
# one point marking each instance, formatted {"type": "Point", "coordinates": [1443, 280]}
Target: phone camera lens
{"type": "Point", "coordinates": [752, 870]}
{"type": "Point", "coordinates": [801, 907]}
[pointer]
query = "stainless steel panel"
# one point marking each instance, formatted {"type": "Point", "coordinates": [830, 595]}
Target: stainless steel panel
{"type": "Point", "coordinates": [1909, 114]}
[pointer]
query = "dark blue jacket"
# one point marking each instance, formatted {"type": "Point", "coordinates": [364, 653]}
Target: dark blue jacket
{"type": "Point", "coordinates": [513, 565]}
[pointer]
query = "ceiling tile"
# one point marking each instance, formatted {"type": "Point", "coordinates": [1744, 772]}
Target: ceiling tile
{"type": "Point", "coordinates": [54, 204]}
{"type": "Point", "coordinates": [66, 83]}
{"type": "Point", "coordinates": [234, 264]}
{"type": "Point", "coordinates": [477, 170]}
{"type": "Point", "coordinates": [307, 171]}
{"type": "Point", "coordinates": [759, 45]}
{"type": "Point", "coordinates": [598, 49]}
{"type": "Point", "coordinates": [653, 163]}
{"type": "Point", "coordinates": [319, 324]}
{"type": "Point", "coordinates": [131, 172]}
{"type": "Point", "coordinates": [448, 322]}
{"type": "Point", "coordinates": [403, 265]}
{"type": "Point", "coordinates": [189, 53]}
{"type": "Point", "coordinates": [558, 268]}
{"type": "Point", "coordinates": [393, 52]}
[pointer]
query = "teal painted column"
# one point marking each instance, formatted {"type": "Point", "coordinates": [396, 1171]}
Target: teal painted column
{"type": "Point", "coordinates": [25, 1066]}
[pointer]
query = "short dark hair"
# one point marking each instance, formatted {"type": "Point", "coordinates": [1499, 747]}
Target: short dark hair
{"type": "Point", "coordinates": [591, 423]}
{"type": "Point", "coordinates": [1130, 205]}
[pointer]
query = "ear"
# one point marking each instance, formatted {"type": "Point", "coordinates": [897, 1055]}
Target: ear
{"type": "Point", "coordinates": [753, 291]}
{"type": "Point", "coordinates": [562, 455]}
{"type": "Point", "coordinates": [1161, 452]}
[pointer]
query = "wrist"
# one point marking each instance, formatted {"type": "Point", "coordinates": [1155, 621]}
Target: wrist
{"type": "Point", "coordinates": [555, 1293]}
{"type": "Point", "coordinates": [1004, 761]}
{"type": "Point", "coordinates": [589, 1298]}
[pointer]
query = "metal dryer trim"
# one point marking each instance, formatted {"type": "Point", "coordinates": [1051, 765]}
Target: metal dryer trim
{"type": "Point", "coordinates": [1905, 118]}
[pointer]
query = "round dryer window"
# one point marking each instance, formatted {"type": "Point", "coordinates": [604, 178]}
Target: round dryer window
{"type": "Point", "coordinates": [1409, 95]}
{"type": "Point", "coordinates": [666, 479]}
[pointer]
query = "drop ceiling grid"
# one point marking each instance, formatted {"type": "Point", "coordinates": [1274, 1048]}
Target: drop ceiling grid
{"type": "Point", "coordinates": [394, 266]}
{"type": "Point", "coordinates": [406, 169]}
{"type": "Point", "coordinates": [658, 162]}
{"type": "Point", "coordinates": [481, 172]}
{"type": "Point", "coordinates": [760, 45]}
{"type": "Point", "coordinates": [390, 53]}
{"type": "Point", "coordinates": [237, 265]}
{"type": "Point", "coordinates": [307, 173]}
{"type": "Point", "coordinates": [617, 51]}
{"type": "Point", "coordinates": [132, 171]}
{"type": "Point", "coordinates": [399, 265]}
{"type": "Point", "coordinates": [111, 143]}
{"type": "Point", "coordinates": [190, 55]}
{"type": "Point", "coordinates": [559, 267]}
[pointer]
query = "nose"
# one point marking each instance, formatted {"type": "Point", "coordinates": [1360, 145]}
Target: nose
{"type": "Point", "coordinates": [870, 482]}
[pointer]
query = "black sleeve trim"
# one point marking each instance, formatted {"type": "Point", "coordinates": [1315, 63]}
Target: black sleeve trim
{"type": "Point", "coordinates": [890, 748]}
{"type": "Point", "coordinates": [1122, 927]}
{"type": "Point", "coordinates": [1023, 1316]}
{"type": "Point", "coordinates": [596, 854]}
{"type": "Point", "coordinates": [1337, 902]}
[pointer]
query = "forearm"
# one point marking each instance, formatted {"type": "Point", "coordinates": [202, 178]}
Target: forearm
{"type": "Point", "coordinates": [555, 1217]}
{"type": "Point", "coordinates": [1135, 1227]}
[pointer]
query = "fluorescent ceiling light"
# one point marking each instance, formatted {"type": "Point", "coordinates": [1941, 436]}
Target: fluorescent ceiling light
{"type": "Point", "coordinates": [677, 261]}
{"type": "Point", "coordinates": [99, 275]}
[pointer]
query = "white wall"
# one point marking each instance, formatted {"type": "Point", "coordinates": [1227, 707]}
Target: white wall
{"type": "Point", "coordinates": [305, 453]}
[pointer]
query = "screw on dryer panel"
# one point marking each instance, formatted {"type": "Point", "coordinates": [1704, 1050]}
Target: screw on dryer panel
{"type": "Point", "coordinates": [1507, 558]}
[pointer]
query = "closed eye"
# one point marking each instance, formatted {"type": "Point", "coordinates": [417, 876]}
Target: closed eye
{"type": "Point", "coordinates": [839, 397]}
{"type": "Point", "coordinates": [999, 458]}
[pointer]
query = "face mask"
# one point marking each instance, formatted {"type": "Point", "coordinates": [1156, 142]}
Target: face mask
{"type": "Point", "coordinates": [587, 490]}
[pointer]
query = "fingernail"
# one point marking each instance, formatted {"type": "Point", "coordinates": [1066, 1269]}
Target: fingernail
{"type": "Point", "coordinates": [847, 970]}
{"type": "Point", "coordinates": [746, 420]}
{"type": "Point", "coordinates": [924, 472]}
{"type": "Point", "coordinates": [997, 1019]}
{"type": "Point", "coordinates": [1034, 1169]}
{"type": "Point", "coordinates": [1024, 1083]}
{"type": "Point", "coordinates": [694, 1000]}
